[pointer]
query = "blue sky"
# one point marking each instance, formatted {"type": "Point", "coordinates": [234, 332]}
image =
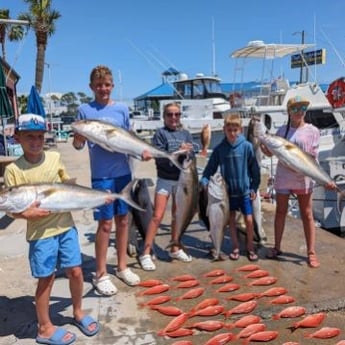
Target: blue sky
{"type": "Point", "coordinates": [139, 39]}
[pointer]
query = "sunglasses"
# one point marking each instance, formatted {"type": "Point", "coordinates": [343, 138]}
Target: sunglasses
{"type": "Point", "coordinates": [297, 109]}
{"type": "Point", "coordinates": [173, 114]}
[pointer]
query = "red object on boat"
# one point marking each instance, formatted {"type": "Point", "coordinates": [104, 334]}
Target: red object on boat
{"type": "Point", "coordinates": [336, 93]}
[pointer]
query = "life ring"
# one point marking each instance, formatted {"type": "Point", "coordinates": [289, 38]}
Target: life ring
{"type": "Point", "coordinates": [234, 98]}
{"type": "Point", "coordinates": [336, 93]}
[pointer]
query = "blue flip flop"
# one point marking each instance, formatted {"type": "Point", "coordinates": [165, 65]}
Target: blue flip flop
{"type": "Point", "coordinates": [57, 338]}
{"type": "Point", "coordinates": [84, 323]}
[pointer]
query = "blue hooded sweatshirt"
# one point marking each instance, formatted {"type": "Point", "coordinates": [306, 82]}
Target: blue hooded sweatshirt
{"type": "Point", "coordinates": [237, 164]}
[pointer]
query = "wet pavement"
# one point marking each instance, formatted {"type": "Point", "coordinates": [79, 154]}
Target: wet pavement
{"type": "Point", "coordinates": [124, 321]}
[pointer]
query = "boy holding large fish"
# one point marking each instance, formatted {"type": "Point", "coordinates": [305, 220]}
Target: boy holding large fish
{"type": "Point", "coordinates": [53, 238]}
{"type": "Point", "coordinates": [235, 158]}
{"type": "Point", "coordinates": [110, 170]}
{"type": "Point", "coordinates": [296, 146]}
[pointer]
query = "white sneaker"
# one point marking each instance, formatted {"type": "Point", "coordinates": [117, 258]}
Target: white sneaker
{"type": "Point", "coordinates": [181, 256]}
{"type": "Point", "coordinates": [128, 277]}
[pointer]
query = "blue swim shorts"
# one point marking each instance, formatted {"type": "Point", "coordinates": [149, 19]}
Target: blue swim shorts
{"type": "Point", "coordinates": [60, 251]}
{"type": "Point", "coordinates": [118, 207]}
{"type": "Point", "coordinates": [243, 204]}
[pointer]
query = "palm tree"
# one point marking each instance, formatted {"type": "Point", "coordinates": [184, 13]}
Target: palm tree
{"type": "Point", "coordinates": [12, 32]}
{"type": "Point", "coordinates": [41, 18]}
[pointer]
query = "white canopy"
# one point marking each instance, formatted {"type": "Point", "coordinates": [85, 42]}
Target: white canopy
{"type": "Point", "coordinates": [259, 49]}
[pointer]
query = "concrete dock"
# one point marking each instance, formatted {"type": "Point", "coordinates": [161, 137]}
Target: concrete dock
{"type": "Point", "coordinates": [123, 321]}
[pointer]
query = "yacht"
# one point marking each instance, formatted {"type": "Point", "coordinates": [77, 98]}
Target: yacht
{"type": "Point", "coordinates": [201, 98]}
{"type": "Point", "coordinates": [270, 101]}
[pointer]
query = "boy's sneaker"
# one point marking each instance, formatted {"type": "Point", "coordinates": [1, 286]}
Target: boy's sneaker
{"type": "Point", "coordinates": [128, 277]}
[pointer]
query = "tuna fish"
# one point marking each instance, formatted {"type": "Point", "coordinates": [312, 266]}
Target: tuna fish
{"type": "Point", "coordinates": [186, 198]}
{"type": "Point", "coordinates": [59, 197]}
{"type": "Point", "coordinates": [292, 156]}
{"type": "Point", "coordinates": [139, 221]}
{"type": "Point", "coordinates": [217, 211]}
{"type": "Point", "coordinates": [117, 139]}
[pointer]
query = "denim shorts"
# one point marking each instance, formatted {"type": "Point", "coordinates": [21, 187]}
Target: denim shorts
{"type": "Point", "coordinates": [118, 207]}
{"type": "Point", "coordinates": [60, 251]}
{"type": "Point", "coordinates": [243, 204]}
{"type": "Point", "coordinates": [165, 187]}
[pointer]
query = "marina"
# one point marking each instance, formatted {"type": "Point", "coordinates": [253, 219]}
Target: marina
{"type": "Point", "coordinates": [124, 321]}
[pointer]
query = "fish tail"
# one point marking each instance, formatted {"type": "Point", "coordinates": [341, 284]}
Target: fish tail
{"type": "Point", "coordinates": [126, 196]}
{"type": "Point", "coordinates": [174, 158]}
{"type": "Point", "coordinates": [340, 198]}
{"type": "Point", "coordinates": [275, 317]}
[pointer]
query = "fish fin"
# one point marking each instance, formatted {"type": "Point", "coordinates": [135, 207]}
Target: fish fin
{"type": "Point", "coordinates": [125, 195]}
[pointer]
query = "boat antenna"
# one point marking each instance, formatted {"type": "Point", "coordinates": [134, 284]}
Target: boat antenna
{"type": "Point", "coordinates": [333, 47]}
{"type": "Point", "coordinates": [213, 51]}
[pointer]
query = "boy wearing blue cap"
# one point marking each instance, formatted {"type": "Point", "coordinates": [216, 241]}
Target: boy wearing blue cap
{"type": "Point", "coordinates": [53, 238]}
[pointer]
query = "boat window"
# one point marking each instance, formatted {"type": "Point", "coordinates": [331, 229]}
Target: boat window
{"type": "Point", "coordinates": [321, 119]}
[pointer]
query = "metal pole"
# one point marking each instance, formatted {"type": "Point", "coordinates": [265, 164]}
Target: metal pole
{"type": "Point", "coordinates": [50, 96]}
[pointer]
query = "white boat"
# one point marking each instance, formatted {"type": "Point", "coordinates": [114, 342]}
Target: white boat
{"type": "Point", "coordinates": [270, 101]}
{"type": "Point", "coordinates": [202, 102]}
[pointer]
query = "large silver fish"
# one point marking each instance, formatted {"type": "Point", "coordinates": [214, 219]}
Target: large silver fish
{"type": "Point", "coordinates": [116, 139]}
{"type": "Point", "coordinates": [59, 197]}
{"type": "Point", "coordinates": [186, 197]}
{"type": "Point", "coordinates": [292, 156]}
{"type": "Point", "coordinates": [217, 211]}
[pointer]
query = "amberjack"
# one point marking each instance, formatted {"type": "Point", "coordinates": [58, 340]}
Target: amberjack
{"type": "Point", "coordinates": [60, 197]}
{"type": "Point", "coordinates": [186, 198]}
{"type": "Point", "coordinates": [217, 211]}
{"type": "Point", "coordinates": [117, 139]}
{"type": "Point", "coordinates": [295, 158]}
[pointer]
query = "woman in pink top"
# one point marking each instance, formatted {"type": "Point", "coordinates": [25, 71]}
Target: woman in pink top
{"type": "Point", "coordinates": [306, 136]}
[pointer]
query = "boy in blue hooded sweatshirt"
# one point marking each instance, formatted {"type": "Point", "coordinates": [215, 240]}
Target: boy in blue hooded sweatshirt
{"type": "Point", "coordinates": [235, 158]}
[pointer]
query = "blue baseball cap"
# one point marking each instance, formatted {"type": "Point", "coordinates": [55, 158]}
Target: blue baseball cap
{"type": "Point", "coordinates": [31, 122]}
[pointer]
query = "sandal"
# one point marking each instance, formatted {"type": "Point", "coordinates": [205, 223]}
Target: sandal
{"type": "Point", "coordinates": [146, 263]}
{"type": "Point", "coordinates": [273, 253]}
{"type": "Point", "coordinates": [128, 277]}
{"type": "Point", "coordinates": [104, 286]}
{"type": "Point", "coordinates": [252, 256]}
{"type": "Point", "coordinates": [313, 262]}
{"type": "Point", "coordinates": [235, 254]}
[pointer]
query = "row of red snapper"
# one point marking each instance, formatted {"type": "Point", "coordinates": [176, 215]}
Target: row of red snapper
{"type": "Point", "coordinates": [252, 326]}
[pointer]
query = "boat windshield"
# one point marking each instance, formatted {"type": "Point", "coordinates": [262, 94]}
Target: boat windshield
{"type": "Point", "coordinates": [199, 88]}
